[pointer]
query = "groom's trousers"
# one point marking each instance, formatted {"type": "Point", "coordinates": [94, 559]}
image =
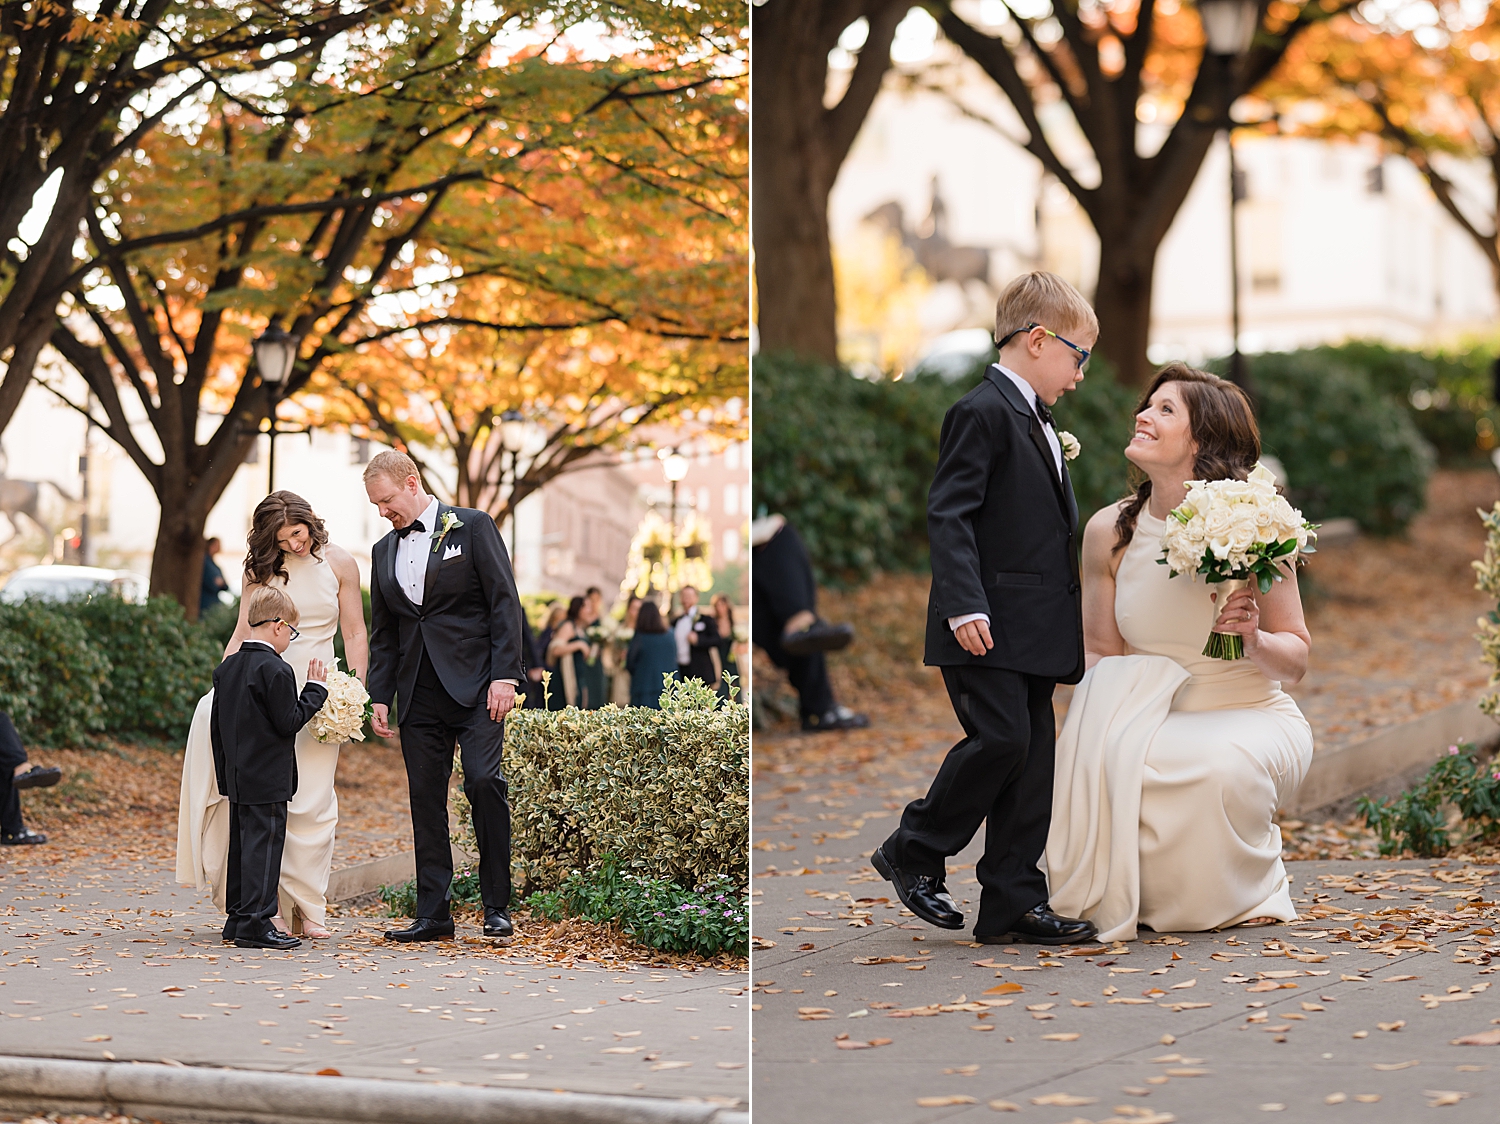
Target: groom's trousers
{"type": "Point", "coordinates": [1000, 773]}
{"type": "Point", "coordinates": [429, 728]}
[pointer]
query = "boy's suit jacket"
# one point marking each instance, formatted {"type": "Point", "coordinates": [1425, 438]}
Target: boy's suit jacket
{"type": "Point", "coordinates": [1003, 532]}
{"type": "Point", "coordinates": [256, 715]}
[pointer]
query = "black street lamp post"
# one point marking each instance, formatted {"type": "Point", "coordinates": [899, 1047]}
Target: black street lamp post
{"type": "Point", "coordinates": [1229, 26]}
{"type": "Point", "coordinates": [275, 356]}
{"type": "Point", "coordinates": [512, 440]}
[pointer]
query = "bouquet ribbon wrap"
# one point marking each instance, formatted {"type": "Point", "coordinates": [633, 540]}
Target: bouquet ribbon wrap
{"type": "Point", "coordinates": [1226, 645]}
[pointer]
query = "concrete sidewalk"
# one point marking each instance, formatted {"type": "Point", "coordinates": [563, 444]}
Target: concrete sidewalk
{"type": "Point", "coordinates": [121, 963]}
{"type": "Point", "coordinates": [865, 1013]}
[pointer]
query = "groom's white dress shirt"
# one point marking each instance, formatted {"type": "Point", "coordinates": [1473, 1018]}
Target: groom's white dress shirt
{"type": "Point", "coordinates": [411, 554]}
{"type": "Point", "coordinates": [1029, 393]}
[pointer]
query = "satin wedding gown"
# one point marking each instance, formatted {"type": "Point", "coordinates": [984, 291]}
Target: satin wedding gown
{"type": "Point", "coordinates": [312, 815]}
{"type": "Point", "coordinates": [1170, 766]}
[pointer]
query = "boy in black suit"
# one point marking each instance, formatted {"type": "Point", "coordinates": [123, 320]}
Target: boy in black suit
{"type": "Point", "coordinates": [256, 715]}
{"type": "Point", "coordinates": [1004, 623]}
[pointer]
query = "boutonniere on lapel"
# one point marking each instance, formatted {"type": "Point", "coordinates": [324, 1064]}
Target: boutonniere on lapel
{"type": "Point", "coordinates": [1070, 446]}
{"type": "Point", "coordinates": [445, 524]}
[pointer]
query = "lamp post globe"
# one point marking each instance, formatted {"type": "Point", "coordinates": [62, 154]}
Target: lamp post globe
{"type": "Point", "coordinates": [675, 466]}
{"type": "Point", "coordinates": [512, 430]}
{"type": "Point", "coordinates": [1229, 25]}
{"type": "Point", "coordinates": [275, 354]}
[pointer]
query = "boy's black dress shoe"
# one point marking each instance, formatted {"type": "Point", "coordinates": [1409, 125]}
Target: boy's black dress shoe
{"type": "Point", "coordinates": [1042, 926]}
{"type": "Point", "coordinates": [924, 895]}
{"type": "Point", "coordinates": [422, 929]}
{"type": "Point", "coordinates": [497, 923]}
{"type": "Point", "coordinates": [38, 777]}
{"type": "Point", "coordinates": [269, 939]}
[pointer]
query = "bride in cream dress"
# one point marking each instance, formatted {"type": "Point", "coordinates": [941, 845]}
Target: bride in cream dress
{"type": "Point", "coordinates": [1171, 764]}
{"type": "Point", "coordinates": [289, 548]}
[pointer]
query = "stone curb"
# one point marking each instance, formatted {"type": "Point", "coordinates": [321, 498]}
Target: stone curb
{"type": "Point", "coordinates": [1353, 769]}
{"type": "Point", "coordinates": [189, 1095]}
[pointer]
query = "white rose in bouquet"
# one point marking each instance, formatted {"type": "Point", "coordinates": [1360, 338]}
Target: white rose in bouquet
{"type": "Point", "coordinates": [1234, 532]}
{"type": "Point", "coordinates": [342, 717]}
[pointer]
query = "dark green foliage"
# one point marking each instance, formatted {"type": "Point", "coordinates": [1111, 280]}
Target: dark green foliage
{"type": "Point", "coordinates": [401, 901]}
{"type": "Point", "coordinates": [1101, 414]}
{"type": "Point", "coordinates": [51, 676]}
{"type": "Point", "coordinates": [848, 462]}
{"type": "Point", "coordinates": [218, 623]}
{"type": "Point", "coordinates": [1448, 396]}
{"type": "Point", "coordinates": [1349, 449]}
{"type": "Point", "coordinates": [707, 920]}
{"type": "Point", "coordinates": [1417, 820]}
{"type": "Point", "coordinates": [99, 665]}
{"type": "Point", "coordinates": [160, 664]}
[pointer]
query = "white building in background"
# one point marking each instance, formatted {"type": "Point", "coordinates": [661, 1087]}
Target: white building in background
{"type": "Point", "coordinates": [1336, 242]}
{"type": "Point", "coordinates": [572, 534]}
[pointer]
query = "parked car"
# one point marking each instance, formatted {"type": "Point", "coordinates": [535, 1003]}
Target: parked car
{"type": "Point", "coordinates": [63, 583]}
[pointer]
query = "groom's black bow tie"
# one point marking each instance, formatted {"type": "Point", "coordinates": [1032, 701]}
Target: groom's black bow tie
{"type": "Point", "coordinates": [1043, 413]}
{"type": "Point", "coordinates": [414, 525]}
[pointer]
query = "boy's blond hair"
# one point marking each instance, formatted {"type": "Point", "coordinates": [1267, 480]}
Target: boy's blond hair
{"type": "Point", "coordinates": [1045, 299]}
{"type": "Point", "coordinates": [268, 603]}
{"type": "Point", "coordinates": [393, 463]}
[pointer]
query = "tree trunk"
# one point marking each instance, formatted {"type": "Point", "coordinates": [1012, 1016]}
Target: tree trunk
{"type": "Point", "coordinates": [177, 558]}
{"type": "Point", "coordinates": [1122, 302]}
{"type": "Point", "coordinates": [796, 148]}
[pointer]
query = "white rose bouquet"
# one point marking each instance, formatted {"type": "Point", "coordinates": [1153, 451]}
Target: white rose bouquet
{"type": "Point", "coordinates": [1234, 532]}
{"type": "Point", "coordinates": [343, 716]}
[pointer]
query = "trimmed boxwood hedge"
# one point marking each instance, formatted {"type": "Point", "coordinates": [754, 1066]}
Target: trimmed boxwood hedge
{"type": "Point", "coordinates": [665, 792]}
{"type": "Point", "coordinates": [100, 665]}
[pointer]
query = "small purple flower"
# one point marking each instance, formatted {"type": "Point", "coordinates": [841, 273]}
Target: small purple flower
{"type": "Point", "coordinates": [1453, 751]}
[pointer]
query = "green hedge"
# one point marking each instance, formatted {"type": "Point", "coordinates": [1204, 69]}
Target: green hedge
{"type": "Point", "coordinates": [666, 792]}
{"type": "Point", "coordinates": [102, 666]}
{"type": "Point", "coordinates": [1349, 448]}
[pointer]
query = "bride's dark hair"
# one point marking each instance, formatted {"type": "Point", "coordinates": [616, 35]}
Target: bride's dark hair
{"type": "Point", "coordinates": [1222, 425]}
{"type": "Point", "coordinates": [278, 510]}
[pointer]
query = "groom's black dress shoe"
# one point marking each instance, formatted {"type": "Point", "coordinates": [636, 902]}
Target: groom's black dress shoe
{"type": "Point", "coordinates": [497, 923]}
{"type": "Point", "coordinates": [1042, 926]}
{"type": "Point", "coordinates": [924, 895]}
{"type": "Point", "coordinates": [269, 939]}
{"type": "Point", "coordinates": [422, 929]}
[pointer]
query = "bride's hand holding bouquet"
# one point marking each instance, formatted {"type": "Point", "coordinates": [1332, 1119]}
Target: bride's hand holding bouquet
{"type": "Point", "coordinates": [1235, 532]}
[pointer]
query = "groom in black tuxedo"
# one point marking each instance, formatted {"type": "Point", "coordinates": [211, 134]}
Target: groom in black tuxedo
{"type": "Point", "coordinates": [1004, 623]}
{"type": "Point", "coordinates": [445, 647]}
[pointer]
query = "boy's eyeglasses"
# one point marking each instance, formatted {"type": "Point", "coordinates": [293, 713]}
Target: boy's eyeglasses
{"type": "Point", "coordinates": [1083, 352]}
{"type": "Point", "coordinates": [277, 620]}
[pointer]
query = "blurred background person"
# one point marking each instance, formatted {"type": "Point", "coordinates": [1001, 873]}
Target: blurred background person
{"type": "Point", "coordinates": [577, 659]}
{"type": "Point", "coordinates": [652, 654]}
{"type": "Point", "coordinates": [784, 622]}
{"type": "Point", "coordinates": [15, 775]}
{"type": "Point", "coordinates": [723, 613]}
{"type": "Point", "coordinates": [557, 613]}
{"type": "Point", "coordinates": [213, 578]}
{"type": "Point", "coordinates": [697, 640]}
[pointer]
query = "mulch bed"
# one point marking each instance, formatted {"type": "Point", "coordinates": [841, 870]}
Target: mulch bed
{"type": "Point", "coordinates": [1392, 622]}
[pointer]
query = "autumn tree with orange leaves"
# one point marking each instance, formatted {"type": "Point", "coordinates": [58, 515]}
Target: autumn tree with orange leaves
{"type": "Point", "coordinates": [1430, 94]}
{"type": "Point", "coordinates": [441, 205]}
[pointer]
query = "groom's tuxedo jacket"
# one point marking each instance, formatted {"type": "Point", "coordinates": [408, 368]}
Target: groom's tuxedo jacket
{"type": "Point", "coordinates": [469, 622]}
{"type": "Point", "coordinates": [1002, 528]}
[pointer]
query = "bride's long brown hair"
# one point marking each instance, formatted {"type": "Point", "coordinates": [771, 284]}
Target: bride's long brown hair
{"type": "Point", "coordinates": [280, 509]}
{"type": "Point", "coordinates": [1222, 425]}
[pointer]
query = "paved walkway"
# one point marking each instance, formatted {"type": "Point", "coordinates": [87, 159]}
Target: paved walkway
{"type": "Point", "coordinates": [864, 1013]}
{"type": "Point", "coordinates": [116, 961]}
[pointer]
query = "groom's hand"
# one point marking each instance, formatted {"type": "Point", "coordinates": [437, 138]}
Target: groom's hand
{"type": "Point", "coordinates": [974, 637]}
{"type": "Point", "coordinates": [501, 698]}
{"type": "Point", "coordinates": [379, 721]}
